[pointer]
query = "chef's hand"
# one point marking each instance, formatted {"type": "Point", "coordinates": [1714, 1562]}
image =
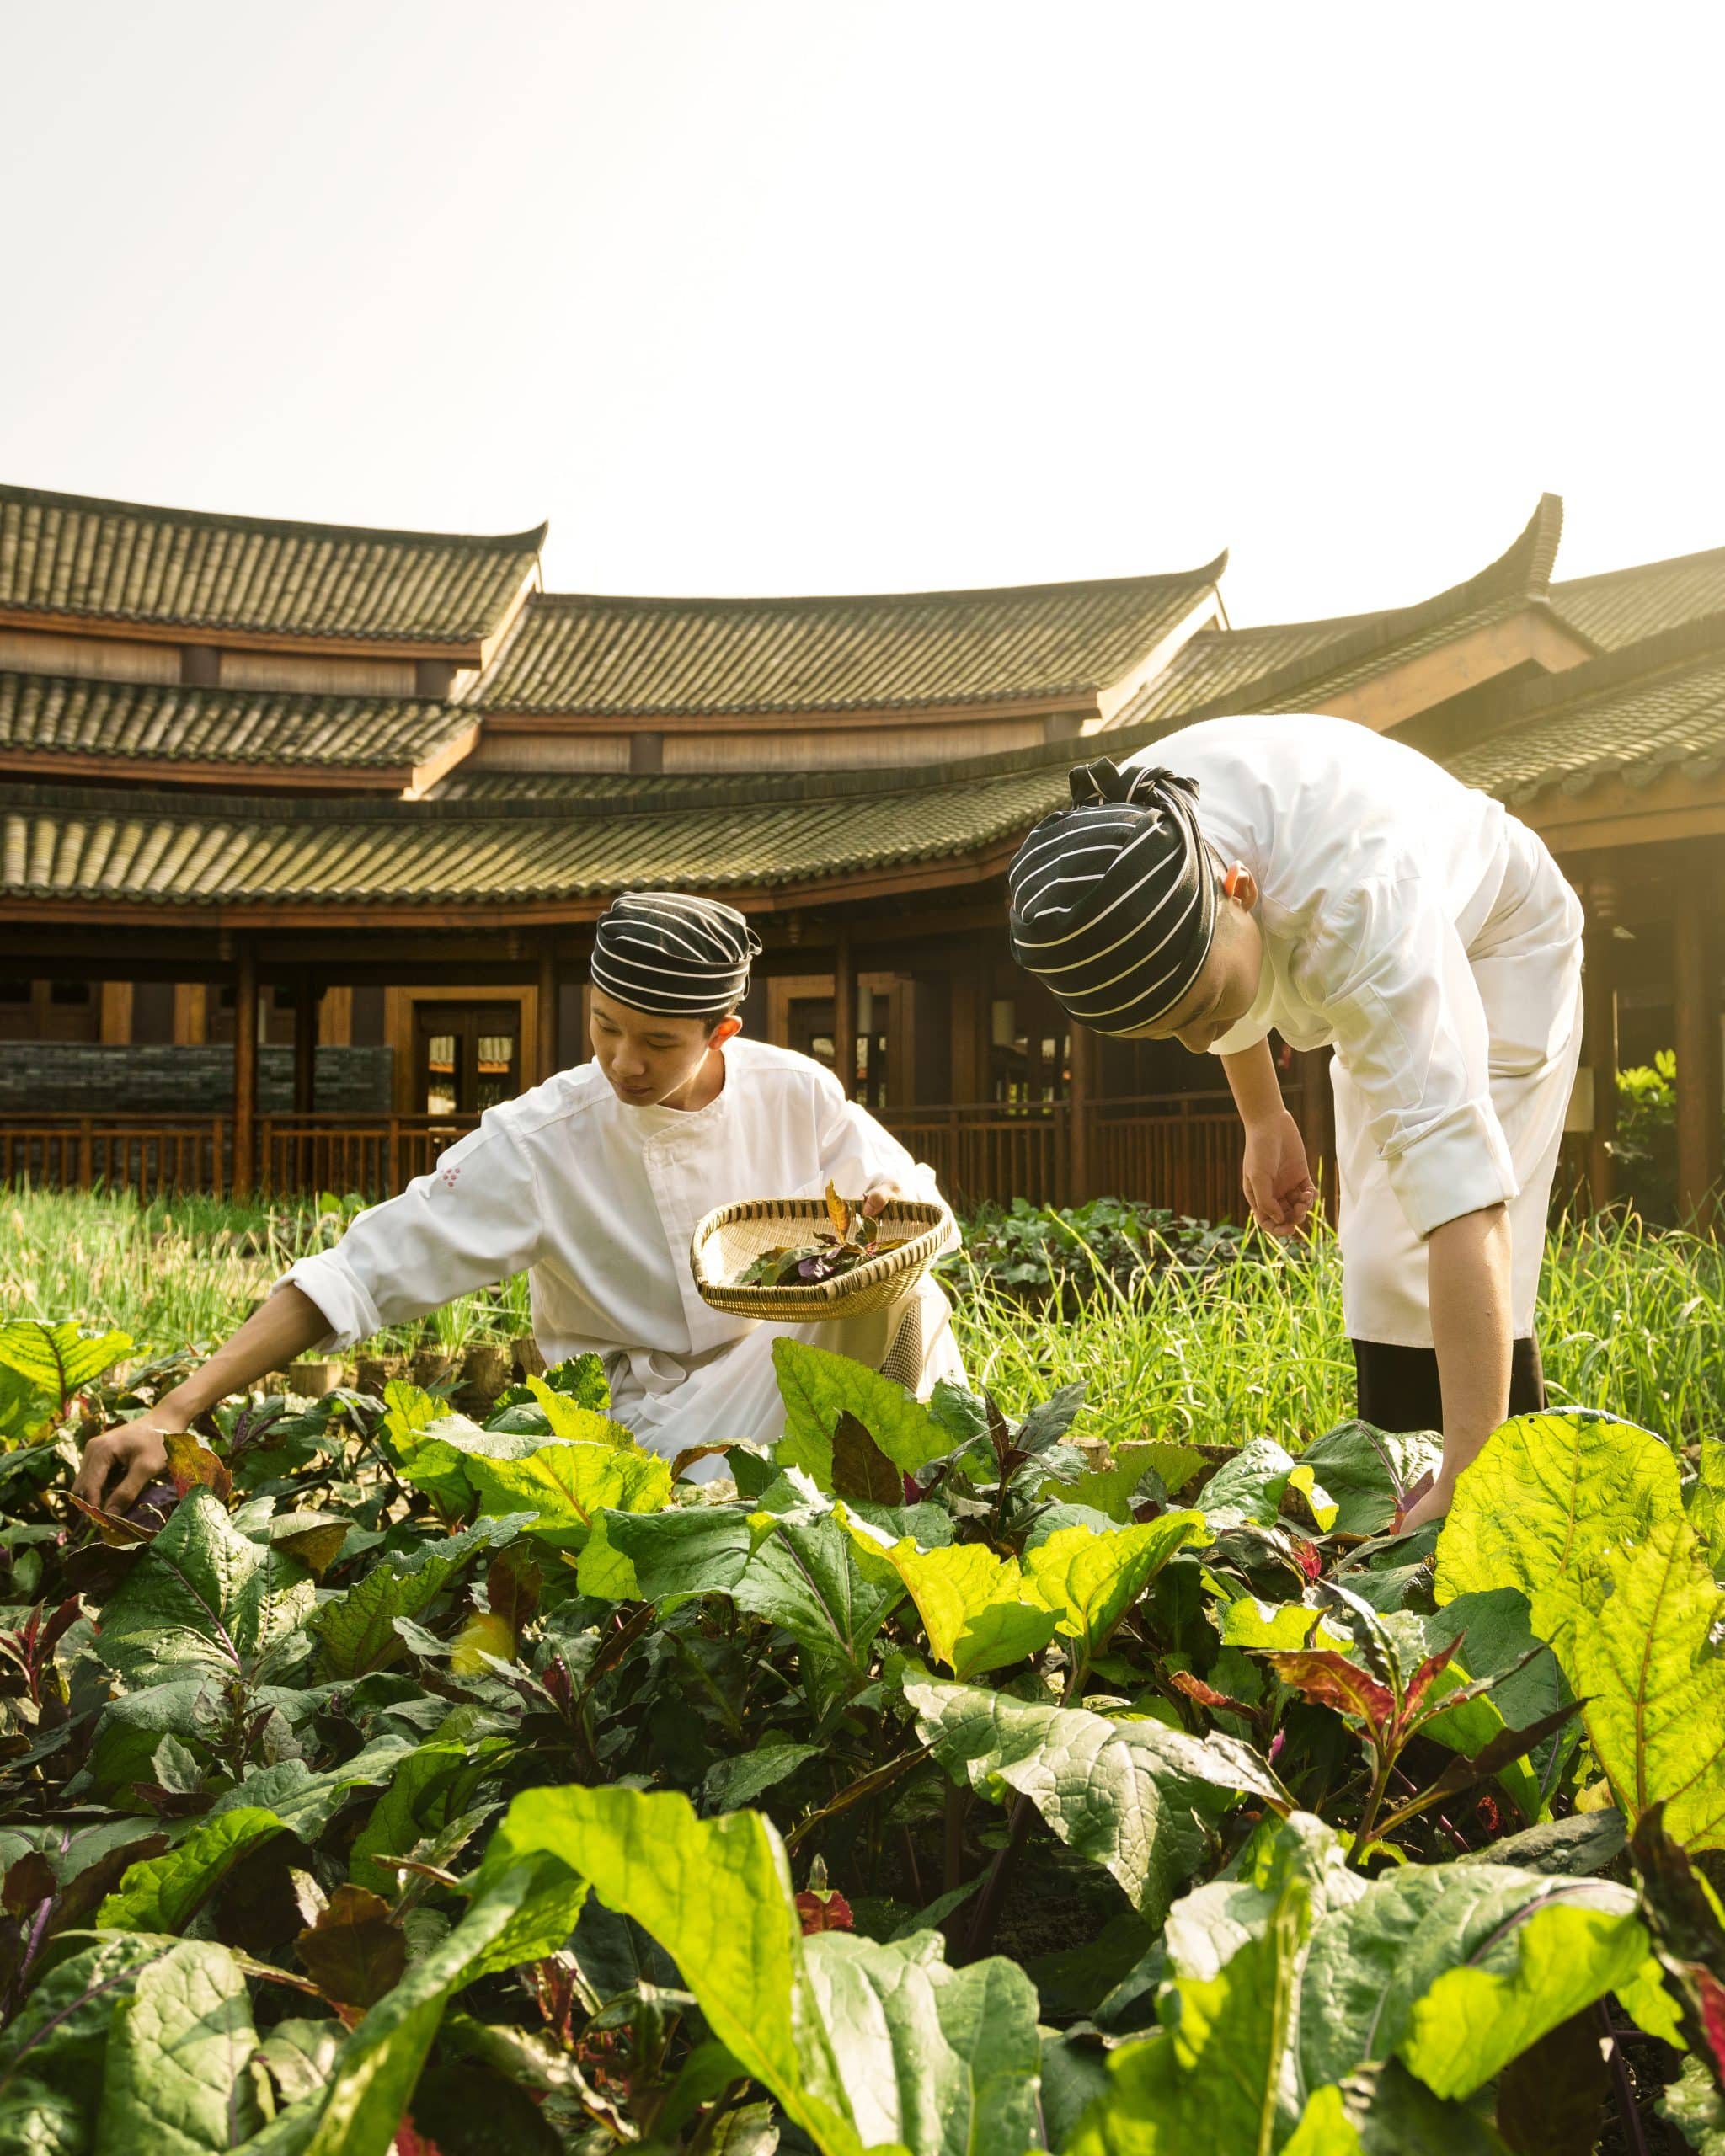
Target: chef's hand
{"type": "Point", "coordinates": [882, 1193]}
{"type": "Point", "coordinates": [1429, 1499]}
{"type": "Point", "coordinates": [1277, 1179]}
{"type": "Point", "coordinates": [122, 1463]}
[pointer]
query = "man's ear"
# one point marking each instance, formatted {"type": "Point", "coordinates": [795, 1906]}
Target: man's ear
{"type": "Point", "coordinates": [726, 1029]}
{"type": "Point", "coordinates": [1241, 885]}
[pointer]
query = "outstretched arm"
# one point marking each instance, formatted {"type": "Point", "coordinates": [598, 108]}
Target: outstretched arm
{"type": "Point", "coordinates": [1468, 1261]}
{"type": "Point", "coordinates": [120, 1464]}
{"type": "Point", "coordinates": [1277, 1176]}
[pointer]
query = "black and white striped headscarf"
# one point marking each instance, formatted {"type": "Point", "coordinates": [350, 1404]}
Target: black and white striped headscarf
{"type": "Point", "coordinates": [675, 957]}
{"type": "Point", "coordinates": [1114, 900]}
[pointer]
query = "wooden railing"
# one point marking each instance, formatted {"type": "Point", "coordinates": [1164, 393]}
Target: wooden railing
{"type": "Point", "coordinates": [1170, 1150]}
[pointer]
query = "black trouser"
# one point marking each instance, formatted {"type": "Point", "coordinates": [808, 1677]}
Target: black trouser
{"type": "Point", "coordinates": [1398, 1387]}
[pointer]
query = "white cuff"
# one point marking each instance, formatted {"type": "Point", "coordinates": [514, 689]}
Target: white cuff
{"type": "Point", "coordinates": [328, 1281]}
{"type": "Point", "coordinates": [1459, 1164]}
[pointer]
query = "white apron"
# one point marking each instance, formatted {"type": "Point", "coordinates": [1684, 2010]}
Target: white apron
{"type": "Point", "coordinates": [597, 1203]}
{"type": "Point", "coordinates": [1418, 928]}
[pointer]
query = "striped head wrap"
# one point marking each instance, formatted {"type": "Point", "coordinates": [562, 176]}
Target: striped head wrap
{"type": "Point", "coordinates": [1114, 900]}
{"type": "Point", "coordinates": [672, 955]}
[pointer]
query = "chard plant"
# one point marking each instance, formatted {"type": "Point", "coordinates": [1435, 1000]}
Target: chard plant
{"type": "Point", "coordinates": [927, 1783]}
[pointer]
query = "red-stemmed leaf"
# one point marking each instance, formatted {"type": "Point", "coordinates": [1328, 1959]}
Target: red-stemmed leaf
{"type": "Point", "coordinates": [356, 1952]}
{"type": "Point", "coordinates": [1329, 1679]}
{"type": "Point", "coordinates": [1206, 1695]}
{"type": "Point", "coordinates": [1426, 1676]}
{"type": "Point", "coordinates": [193, 1466]}
{"type": "Point", "coordinates": [828, 1912]}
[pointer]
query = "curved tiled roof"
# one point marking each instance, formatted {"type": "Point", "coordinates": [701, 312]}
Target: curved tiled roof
{"type": "Point", "coordinates": [48, 715]}
{"type": "Point", "coordinates": [1637, 715]}
{"type": "Point", "coordinates": [70, 554]}
{"type": "Point", "coordinates": [1623, 607]}
{"type": "Point", "coordinates": [649, 658]}
{"type": "Point", "coordinates": [1293, 665]}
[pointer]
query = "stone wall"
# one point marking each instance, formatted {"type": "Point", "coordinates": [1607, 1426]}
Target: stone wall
{"type": "Point", "coordinates": [81, 1078]}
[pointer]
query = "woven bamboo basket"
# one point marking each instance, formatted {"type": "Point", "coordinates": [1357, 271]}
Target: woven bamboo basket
{"type": "Point", "coordinates": [730, 1240]}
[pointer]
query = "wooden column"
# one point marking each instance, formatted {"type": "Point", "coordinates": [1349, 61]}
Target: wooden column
{"type": "Point", "coordinates": [1599, 988]}
{"type": "Point", "coordinates": [844, 1011]}
{"type": "Point", "coordinates": [544, 1031]}
{"type": "Point", "coordinates": [1081, 1109]}
{"type": "Point", "coordinates": [245, 1063]}
{"type": "Point", "coordinates": [969, 1017]}
{"type": "Point", "coordinates": [1695, 994]}
{"type": "Point", "coordinates": [116, 1022]}
{"type": "Point", "coordinates": [1317, 1124]}
{"type": "Point", "coordinates": [305, 1045]}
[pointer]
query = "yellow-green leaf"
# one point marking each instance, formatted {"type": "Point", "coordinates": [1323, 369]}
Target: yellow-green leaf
{"type": "Point", "coordinates": [978, 1609]}
{"type": "Point", "coordinates": [1091, 1580]}
{"type": "Point", "coordinates": [563, 1485]}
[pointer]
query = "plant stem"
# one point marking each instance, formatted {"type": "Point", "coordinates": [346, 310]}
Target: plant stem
{"type": "Point", "coordinates": [953, 1876]}
{"type": "Point", "coordinates": [1628, 2110]}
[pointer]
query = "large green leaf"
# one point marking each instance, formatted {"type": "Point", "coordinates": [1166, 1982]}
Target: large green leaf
{"type": "Point", "coordinates": [203, 1594]}
{"type": "Point", "coordinates": [428, 1786]}
{"type": "Point", "coordinates": [1219, 2075]}
{"type": "Point", "coordinates": [1367, 1473]}
{"type": "Point", "coordinates": [1370, 1963]}
{"type": "Point", "coordinates": [1207, 1927]}
{"type": "Point", "coordinates": [945, 2061]}
{"type": "Point", "coordinates": [563, 1485]}
{"type": "Point", "coordinates": [305, 1802]}
{"type": "Point", "coordinates": [59, 2037]}
{"type": "Point", "coordinates": [1546, 1500]}
{"type": "Point", "coordinates": [818, 1386]}
{"type": "Point", "coordinates": [978, 1609]}
{"type": "Point", "coordinates": [1384, 2111]}
{"type": "Point", "coordinates": [1137, 1797]}
{"type": "Point", "coordinates": [1509, 1993]}
{"type": "Point", "coordinates": [1252, 1485]}
{"type": "Point", "coordinates": [685, 1550]}
{"type": "Point", "coordinates": [175, 2079]}
{"type": "Point", "coordinates": [433, 1454]}
{"type": "Point", "coordinates": [38, 2121]}
{"type": "Point", "coordinates": [58, 1359]}
{"type": "Point", "coordinates": [805, 1576]}
{"type": "Point", "coordinates": [1092, 1580]}
{"type": "Point", "coordinates": [355, 1632]}
{"type": "Point", "coordinates": [716, 1894]}
{"type": "Point", "coordinates": [382, 2061]}
{"type": "Point", "coordinates": [1654, 1687]}
{"type": "Point", "coordinates": [1706, 1501]}
{"type": "Point", "coordinates": [164, 1893]}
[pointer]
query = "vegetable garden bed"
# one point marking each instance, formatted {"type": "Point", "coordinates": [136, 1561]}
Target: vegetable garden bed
{"type": "Point", "coordinates": [391, 1780]}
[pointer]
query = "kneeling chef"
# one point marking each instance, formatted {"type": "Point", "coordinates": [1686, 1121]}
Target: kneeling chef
{"type": "Point", "coordinates": [593, 1183]}
{"type": "Point", "coordinates": [1304, 874]}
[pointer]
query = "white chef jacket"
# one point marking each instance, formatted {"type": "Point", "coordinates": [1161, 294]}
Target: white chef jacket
{"type": "Point", "coordinates": [1415, 926]}
{"type": "Point", "coordinates": [597, 1203]}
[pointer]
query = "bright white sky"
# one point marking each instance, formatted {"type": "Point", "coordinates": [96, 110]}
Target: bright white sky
{"type": "Point", "coordinates": [752, 296]}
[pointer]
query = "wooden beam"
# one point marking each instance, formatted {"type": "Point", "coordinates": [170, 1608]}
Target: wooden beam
{"type": "Point", "coordinates": [545, 1030]}
{"type": "Point", "coordinates": [844, 1011]}
{"type": "Point", "coordinates": [1599, 987]}
{"type": "Point", "coordinates": [305, 1045]}
{"type": "Point", "coordinates": [245, 1063]}
{"type": "Point", "coordinates": [969, 1029]}
{"type": "Point", "coordinates": [1080, 1105]}
{"type": "Point", "coordinates": [1695, 994]}
{"type": "Point", "coordinates": [1317, 1123]}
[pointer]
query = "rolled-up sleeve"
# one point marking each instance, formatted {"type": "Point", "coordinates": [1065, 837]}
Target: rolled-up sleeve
{"type": "Point", "coordinates": [474, 1219]}
{"type": "Point", "coordinates": [1410, 1031]}
{"type": "Point", "coordinates": [855, 1151]}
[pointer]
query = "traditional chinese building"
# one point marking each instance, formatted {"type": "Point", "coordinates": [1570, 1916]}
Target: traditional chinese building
{"type": "Point", "coordinates": [305, 829]}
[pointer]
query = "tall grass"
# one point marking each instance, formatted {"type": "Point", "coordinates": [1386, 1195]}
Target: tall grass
{"type": "Point", "coordinates": [1632, 1319]}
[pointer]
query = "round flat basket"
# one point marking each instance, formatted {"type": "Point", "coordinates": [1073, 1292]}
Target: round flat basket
{"type": "Point", "coordinates": [730, 1239]}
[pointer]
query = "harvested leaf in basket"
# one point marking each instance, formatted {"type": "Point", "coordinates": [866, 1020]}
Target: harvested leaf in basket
{"type": "Point", "coordinates": [855, 1238]}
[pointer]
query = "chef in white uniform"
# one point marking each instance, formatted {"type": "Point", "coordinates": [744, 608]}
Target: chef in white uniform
{"type": "Point", "coordinates": [593, 1184]}
{"type": "Point", "coordinates": [1302, 874]}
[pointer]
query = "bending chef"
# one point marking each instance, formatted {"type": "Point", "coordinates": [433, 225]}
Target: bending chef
{"type": "Point", "coordinates": [593, 1184]}
{"type": "Point", "coordinates": [1304, 874]}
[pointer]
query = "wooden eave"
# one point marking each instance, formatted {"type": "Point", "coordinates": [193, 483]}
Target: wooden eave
{"type": "Point", "coordinates": [1611, 811]}
{"type": "Point", "coordinates": [466, 652]}
{"type": "Point", "coordinates": [1078, 700]}
{"type": "Point", "coordinates": [394, 780]}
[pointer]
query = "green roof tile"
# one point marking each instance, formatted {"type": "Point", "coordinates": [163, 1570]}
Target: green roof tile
{"type": "Point", "coordinates": [1293, 665]}
{"type": "Point", "coordinates": [616, 657]}
{"type": "Point", "coordinates": [1624, 607]}
{"type": "Point", "coordinates": [50, 715]}
{"type": "Point", "coordinates": [1635, 715]}
{"type": "Point", "coordinates": [124, 562]}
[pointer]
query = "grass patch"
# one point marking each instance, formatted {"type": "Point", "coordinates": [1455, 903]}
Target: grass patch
{"type": "Point", "coordinates": [1633, 1318]}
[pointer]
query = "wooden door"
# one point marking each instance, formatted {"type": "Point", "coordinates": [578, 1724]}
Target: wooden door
{"type": "Point", "coordinates": [466, 1057]}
